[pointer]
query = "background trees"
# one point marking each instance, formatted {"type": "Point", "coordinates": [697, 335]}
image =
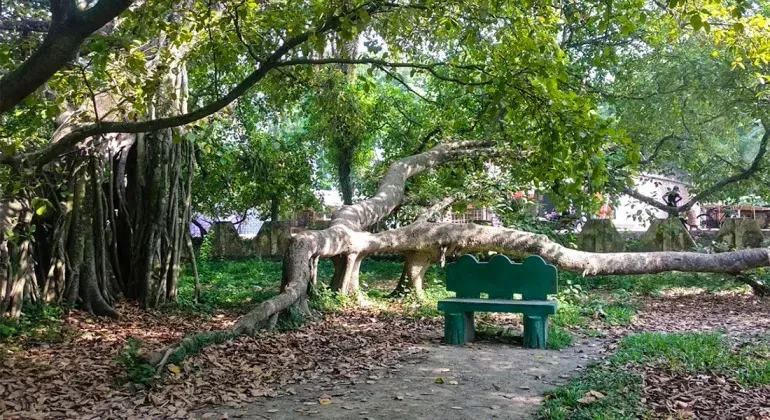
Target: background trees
{"type": "Point", "coordinates": [98, 163]}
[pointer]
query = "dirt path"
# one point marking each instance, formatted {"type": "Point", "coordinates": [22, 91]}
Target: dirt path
{"type": "Point", "coordinates": [482, 381]}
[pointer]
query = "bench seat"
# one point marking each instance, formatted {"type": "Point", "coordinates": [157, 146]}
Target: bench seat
{"type": "Point", "coordinates": [530, 307]}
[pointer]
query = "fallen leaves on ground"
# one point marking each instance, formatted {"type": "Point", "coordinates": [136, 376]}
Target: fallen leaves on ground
{"type": "Point", "coordinates": [590, 397]}
{"type": "Point", "coordinates": [737, 313]}
{"type": "Point", "coordinates": [679, 395]}
{"type": "Point", "coordinates": [77, 378]}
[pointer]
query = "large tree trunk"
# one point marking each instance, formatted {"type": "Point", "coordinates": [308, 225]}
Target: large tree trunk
{"type": "Point", "coordinates": [347, 269]}
{"type": "Point", "coordinates": [123, 231]}
{"type": "Point", "coordinates": [17, 274]}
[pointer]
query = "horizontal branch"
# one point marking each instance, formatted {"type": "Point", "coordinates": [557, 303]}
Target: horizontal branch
{"type": "Point", "coordinates": [431, 67]}
{"type": "Point", "coordinates": [471, 238]}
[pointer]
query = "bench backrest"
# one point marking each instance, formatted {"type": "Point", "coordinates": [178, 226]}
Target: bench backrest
{"type": "Point", "coordinates": [500, 278]}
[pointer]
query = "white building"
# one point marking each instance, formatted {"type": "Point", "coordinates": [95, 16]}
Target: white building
{"type": "Point", "coordinates": [626, 214]}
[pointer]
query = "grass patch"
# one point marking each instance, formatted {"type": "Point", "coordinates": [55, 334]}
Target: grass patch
{"type": "Point", "coordinates": [651, 284]}
{"type": "Point", "coordinates": [690, 353]}
{"type": "Point", "coordinates": [583, 313]}
{"type": "Point", "coordinates": [698, 353]}
{"type": "Point", "coordinates": [558, 338]}
{"type": "Point", "coordinates": [136, 370]}
{"type": "Point", "coordinates": [38, 324]}
{"type": "Point", "coordinates": [230, 285]}
{"type": "Point", "coordinates": [622, 390]}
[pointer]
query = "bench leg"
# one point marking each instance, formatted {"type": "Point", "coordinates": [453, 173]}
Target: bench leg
{"type": "Point", "coordinates": [535, 331]}
{"type": "Point", "coordinates": [470, 327]}
{"type": "Point", "coordinates": [459, 328]}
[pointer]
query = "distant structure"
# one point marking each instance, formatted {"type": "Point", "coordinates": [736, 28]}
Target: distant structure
{"type": "Point", "coordinates": [626, 212]}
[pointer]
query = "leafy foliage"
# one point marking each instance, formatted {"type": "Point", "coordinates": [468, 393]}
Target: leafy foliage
{"type": "Point", "coordinates": [137, 371]}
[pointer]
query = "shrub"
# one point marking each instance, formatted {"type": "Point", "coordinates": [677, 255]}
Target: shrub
{"type": "Point", "coordinates": [136, 370]}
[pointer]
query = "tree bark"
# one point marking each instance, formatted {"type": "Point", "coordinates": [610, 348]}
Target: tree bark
{"type": "Point", "coordinates": [16, 263]}
{"type": "Point", "coordinates": [411, 280]}
{"type": "Point", "coordinates": [347, 269]}
{"type": "Point", "coordinates": [344, 175]}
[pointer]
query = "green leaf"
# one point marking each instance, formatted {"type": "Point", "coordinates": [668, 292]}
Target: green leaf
{"type": "Point", "coordinates": [696, 22]}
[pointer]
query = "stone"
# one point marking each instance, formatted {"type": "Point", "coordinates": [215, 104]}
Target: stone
{"type": "Point", "coordinates": [226, 243]}
{"type": "Point", "coordinates": [740, 233]}
{"type": "Point", "coordinates": [600, 235]}
{"type": "Point", "coordinates": [667, 235]}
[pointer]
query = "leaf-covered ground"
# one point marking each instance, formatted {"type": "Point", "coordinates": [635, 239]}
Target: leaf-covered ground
{"type": "Point", "coordinates": [674, 355]}
{"type": "Point", "coordinates": [78, 378]}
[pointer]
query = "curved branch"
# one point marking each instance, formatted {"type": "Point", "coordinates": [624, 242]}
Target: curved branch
{"type": "Point", "coordinates": [67, 31]}
{"type": "Point", "coordinates": [743, 175]}
{"type": "Point", "coordinates": [650, 201]}
{"type": "Point", "coordinates": [658, 147]}
{"type": "Point", "coordinates": [436, 208]}
{"type": "Point", "coordinates": [76, 135]}
{"type": "Point", "coordinates": [366, 213]}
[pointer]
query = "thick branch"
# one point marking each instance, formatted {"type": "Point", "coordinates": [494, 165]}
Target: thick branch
{"type": "Point", "coordinates": [471, 237]}
{"type": "Point", "coordinates": [391, 192]}
{"type": "Point", "coordinates": [69, 28]}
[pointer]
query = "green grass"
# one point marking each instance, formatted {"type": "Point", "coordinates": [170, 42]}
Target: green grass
{"type": "Point", "coordinates": [649, 284]}
{"type": "Point", "coordinates": [558, 338]}
{"type": "Point", "coordinates": [687, 353]}
{"type": "Point", "coordinates": [237, 285]}
{"type": "Point", "coordinates": [38, 324]}
{"type": "Point", "coordinates": [622, 390]}
{"type": "Point", "coordinates": [698, 353]}
{"type": "Point", "coordinates": [230, 285]}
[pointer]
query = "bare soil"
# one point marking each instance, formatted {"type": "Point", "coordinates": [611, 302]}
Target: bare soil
{"type": "Point", "coordinates": [479, 381]}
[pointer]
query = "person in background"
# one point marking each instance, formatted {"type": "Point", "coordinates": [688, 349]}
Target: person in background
{"type": "Point", "coordinates": [672, 197]}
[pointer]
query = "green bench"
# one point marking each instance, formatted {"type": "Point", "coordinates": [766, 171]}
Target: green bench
{"type": "Point", "coordinates": [499, 279]}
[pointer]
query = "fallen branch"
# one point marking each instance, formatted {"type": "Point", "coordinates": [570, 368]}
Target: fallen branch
{"type": "Point", "coordinates": [348, 241]}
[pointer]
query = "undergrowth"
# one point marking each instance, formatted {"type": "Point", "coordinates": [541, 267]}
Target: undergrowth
{"type": "Point", "coordinates": [38, 324]}
{"type": "Point", "coordinates": [136, 371]}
